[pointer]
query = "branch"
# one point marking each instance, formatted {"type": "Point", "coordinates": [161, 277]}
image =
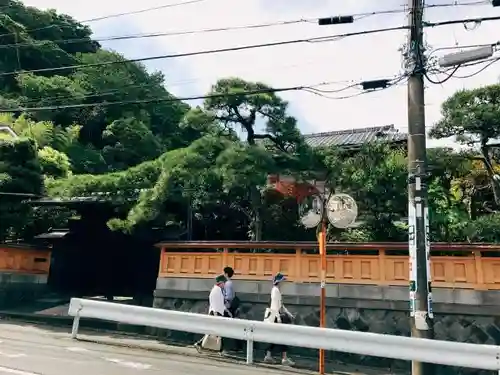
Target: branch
{"type": "Point", "coordinates": [225, 119]}
{"type": "Point", "coordinates": [273, 139]}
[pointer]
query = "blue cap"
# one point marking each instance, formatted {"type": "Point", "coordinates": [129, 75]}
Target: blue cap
{"type": "Point", "coordinates": [279, 277]}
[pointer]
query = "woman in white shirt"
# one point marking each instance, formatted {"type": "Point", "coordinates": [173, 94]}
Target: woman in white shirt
{"type": "Point", "coordinates": [217, 305]}
{"type": "Point", "coordinates": [278, 313]}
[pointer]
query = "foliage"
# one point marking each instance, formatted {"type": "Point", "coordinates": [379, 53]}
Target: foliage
{"type": "Point", "coordinates": [20, 178]}
{"type": "Point", "coordinates": [127, 138]}
{"type": "Point", "coordinates": [54, 163]}
{"type": "Point", "coordinates": [473, 118]}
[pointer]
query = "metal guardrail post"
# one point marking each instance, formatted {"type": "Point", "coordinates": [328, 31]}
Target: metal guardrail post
{"type": "Point", "coordinates": [76, 324]}
{"type": "Point", "coordinates": [249, 337]}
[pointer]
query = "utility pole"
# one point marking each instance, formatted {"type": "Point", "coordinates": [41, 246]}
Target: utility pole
{"type": "Point", "coordinates": [418, 212]}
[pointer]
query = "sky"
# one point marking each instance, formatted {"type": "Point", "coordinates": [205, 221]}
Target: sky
{"type": "Point", "coordinates": [341, 61]}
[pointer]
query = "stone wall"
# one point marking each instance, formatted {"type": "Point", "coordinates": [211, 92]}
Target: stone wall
{"type": "Point", "coordinates": [19, 288]}
{"type": "Point", "coordinates": [460, 315]}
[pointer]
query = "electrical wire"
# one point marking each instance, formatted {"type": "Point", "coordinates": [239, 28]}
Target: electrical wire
{"type": "Point", "coordinates": [141, 11]}
{"type": "Point", "coordinates": [310, 88]}
{"type": "Point", "coordinates": [116, 91]}
{"type": "Point", "coordinates": [455, 69]}
{"type": "Point", "coordinates": [154, 100]}
{"type": "Point", "coordinates": [488, 62]}
{"type": "Point", "coordinates": [207, 52]}
{"type": "Point", "coordinates": [229, 28]}
{"type": "Point", "coordinates": [95, 19]}
{"type": "Point", "coordinates": [426, 6]}
{"type": "Point", "coordinates": [397, 82]}
{"type": "Point", "coordinates": [169, 84]}
{"type": "Point", "coordinates": [158, 34]}
{"type": "Point", "coordinates": [462, 21]}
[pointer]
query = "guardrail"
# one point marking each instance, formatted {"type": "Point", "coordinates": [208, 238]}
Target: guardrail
{"type": "Point", "coordinates": [486, 357]}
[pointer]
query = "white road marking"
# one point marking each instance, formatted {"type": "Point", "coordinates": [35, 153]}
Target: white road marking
{"type": "Point", "coordinates": [136, 365]}
{"type": "Point", "coordinates": [7, 370]}
{"type": "Point", "coordinates": [18, 355]}
{"type": "Point", "coordinates": [76, 349]}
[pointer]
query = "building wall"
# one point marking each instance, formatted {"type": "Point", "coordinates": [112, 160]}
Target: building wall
{"type": "Point", "coordinates": [460, 314]}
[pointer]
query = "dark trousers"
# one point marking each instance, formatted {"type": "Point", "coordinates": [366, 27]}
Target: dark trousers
{"type": "Point", "coordinates": [285, 319]}
{"type": "Point", "coordinates": [236, 345]}
{"type": "Point", "coordinates": [221, 339]}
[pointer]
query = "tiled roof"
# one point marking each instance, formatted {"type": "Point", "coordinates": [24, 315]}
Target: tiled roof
{"type": "Point", "coordinates": [355, 137]}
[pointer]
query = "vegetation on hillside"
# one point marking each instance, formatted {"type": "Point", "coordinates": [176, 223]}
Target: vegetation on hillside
{"type": "Point", "coordinates": [111, 128]}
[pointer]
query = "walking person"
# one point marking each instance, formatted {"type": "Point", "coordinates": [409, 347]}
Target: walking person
{"type": "Point", "coordinates": [217, 307]}
{"type": "Point", "coordinates": [278, 313]}
{"type": "Point", "coordinates": [231, 300]}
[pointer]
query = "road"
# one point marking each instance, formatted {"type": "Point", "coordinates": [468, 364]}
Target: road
{"type": "Point", "coordinates": [28, 350]}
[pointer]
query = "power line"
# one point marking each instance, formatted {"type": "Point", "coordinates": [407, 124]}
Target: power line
{"type": "Point", "coordinates": [310, 89]}
{"type": "Point", "coordinates": [161, 34]}
{"type": "Point", "coordinates": [454, 70]}
{"type": "Point", "coordinates": [166, 85]}
{"type": "Point", "coordinates": [461, 21]}
{"type": "Point", "coordinates": [229, 28]}
{"type": "Point", "coordinates": [155, 100]}
{"type": "Point", "coordinates": [141, 11]}
{"type": "Point", "coordinates": [209, 52]}
{"type": "Point", "coordinates": [488, 63]}
{"type": "Point", "coordinates": [95, 19]}
{"type": "Point", "coordinates": [254, 46]}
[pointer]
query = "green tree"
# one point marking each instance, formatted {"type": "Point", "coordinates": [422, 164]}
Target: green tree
{"type": "Point", "coordinates": [280, 144]}
{"type": "Point", "coordinates": [376, 177]}
{"type": "Point", "coordinates": [127, 82]}
{"type": "Point", "coordinates": [473, 118]}
{"type": "Point", "coordinates": [20, 178]}
{"type": "Point", "coordinates": [129, 142]}
{"type": "Point", "coordinates": [54, 163]}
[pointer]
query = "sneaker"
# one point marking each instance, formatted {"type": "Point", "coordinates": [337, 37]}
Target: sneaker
{"type": "Point", "coordinates": [268, 359]}
{"type": "Point", "coordinates": [287, 362]}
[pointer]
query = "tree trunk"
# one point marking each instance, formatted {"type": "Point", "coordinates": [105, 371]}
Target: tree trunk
{"type": "Point", "coordinates": [257, 211]}
{"type": "Point", "coordinates": [491, 173]}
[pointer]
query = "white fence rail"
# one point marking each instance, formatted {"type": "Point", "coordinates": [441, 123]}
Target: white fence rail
{"type": "Point", "coordinates": [476, 356]}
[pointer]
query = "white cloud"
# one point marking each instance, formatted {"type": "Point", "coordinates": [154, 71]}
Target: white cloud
{"type": "Point", "coordinates": [350, 59]}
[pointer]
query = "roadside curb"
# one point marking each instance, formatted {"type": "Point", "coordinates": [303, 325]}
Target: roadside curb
{"type": "Point", "coordinates": [184, 351]}
{"type": "Point", "coordinates": [54, 320]}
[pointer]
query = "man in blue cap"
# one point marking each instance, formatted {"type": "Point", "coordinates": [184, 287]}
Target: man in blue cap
{"type": "Point", "coordinates": [278, 313]}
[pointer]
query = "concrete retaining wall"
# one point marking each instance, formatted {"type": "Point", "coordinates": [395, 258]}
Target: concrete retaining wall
{"type": "Point", "coordinates": [18, 288]}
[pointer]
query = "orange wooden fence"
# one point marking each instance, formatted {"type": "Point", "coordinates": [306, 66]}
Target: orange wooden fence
{"type": "Point", "coordinates": [471, 266]}
{"type": "Point", "coordinates": [24, 260]}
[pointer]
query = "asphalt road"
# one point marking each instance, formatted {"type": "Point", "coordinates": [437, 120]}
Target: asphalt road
{"type": "Point", "coordinates": [28, 350]}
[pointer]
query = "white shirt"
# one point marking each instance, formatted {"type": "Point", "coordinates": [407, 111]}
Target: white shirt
{"type": "Point", "coordinates": [216, 300]}
{"type": "Point", "coordinates": [276, 300]}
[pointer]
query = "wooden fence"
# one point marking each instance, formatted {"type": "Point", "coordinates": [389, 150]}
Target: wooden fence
{"type": "Point", "coordinates": [471, 266]}
{"type": "Point", "coordinates": [20, 259]}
